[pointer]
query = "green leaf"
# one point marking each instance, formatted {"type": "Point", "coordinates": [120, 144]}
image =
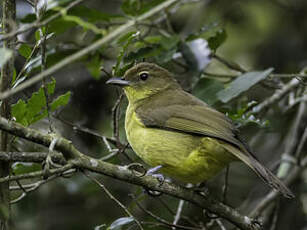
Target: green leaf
{"type": "Point", "coordinates": [138, 7]}
{"type": "Point", "coordinates": [25, 50]}
{"type": "Point", "coordinates": [128, 39]}
{"type": "Point", "coordinates": [207, 89]}
{"type": "Point", "coordinates": [51, 86]}
{"type": "Point", "coordinates": [217, 40]}
{"type": "Point", "coordinates": [19, 111]}
{"type": "Point", "coordinates": [93, 66]}
{"type": "Point", "coordinates": [119, 223]}
{"type": "Point", "coordinates": [35, 105]}
{"type": "Point", "coordinates": [5, 55]}
{"type": "Point", "coordinates": [22, 168]}
{"type": "Point", "coordinates": [242, 84]}
{"type": "Point", "coordinates": [92, 15]}
{"type": "Point", "coordinates": [60, 101]}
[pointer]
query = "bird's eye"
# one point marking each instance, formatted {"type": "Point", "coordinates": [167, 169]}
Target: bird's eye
{"type": "Point", "coordinates": [144, 76]}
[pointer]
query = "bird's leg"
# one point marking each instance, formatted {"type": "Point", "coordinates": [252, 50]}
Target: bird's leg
{"type": "Point", "coordinates": [159, 176]}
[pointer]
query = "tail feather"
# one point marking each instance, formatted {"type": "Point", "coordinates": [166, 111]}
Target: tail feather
{"type": "Point", "coordinates": [265, 174]}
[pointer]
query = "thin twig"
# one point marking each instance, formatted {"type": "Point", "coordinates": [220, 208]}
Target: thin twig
{"type": "Point", "coordinates": [113, 198]}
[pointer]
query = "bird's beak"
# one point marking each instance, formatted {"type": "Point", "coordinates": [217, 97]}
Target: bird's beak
{"type": "Point", "coordinates": [118, 81]}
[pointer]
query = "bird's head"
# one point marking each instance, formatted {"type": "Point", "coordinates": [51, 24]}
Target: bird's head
{"type": "Point", "coordinates": [144, 80]}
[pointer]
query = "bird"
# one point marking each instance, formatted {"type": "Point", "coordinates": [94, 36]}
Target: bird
{"type": "Point", "coordinates": [179, 134]}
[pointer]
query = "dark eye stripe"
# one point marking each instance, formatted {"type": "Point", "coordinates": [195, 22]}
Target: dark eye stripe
{"type": "Point", "coordinates": [144, 76]}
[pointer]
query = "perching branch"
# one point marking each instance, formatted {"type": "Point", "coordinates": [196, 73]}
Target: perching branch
{"type": "Point", "coordinates": [78, 160]}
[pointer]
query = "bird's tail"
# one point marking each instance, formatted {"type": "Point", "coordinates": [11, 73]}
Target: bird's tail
{"type": "Point", "coordinates": [265, 174]}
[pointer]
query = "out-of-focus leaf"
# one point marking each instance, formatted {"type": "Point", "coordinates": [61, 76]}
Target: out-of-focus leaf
{"type": "Point", "coordinates": [242, 84]}
{"type": "Point", "coordinates": [206, 89]}
{"type": "Point", "coordinates": [60, 101]}
{"type": "Point", "coordinates": [214, 34]}
{"type": "Point", "coordinates": [161, 49]}
{"type": "Point", "coordinates": [137, 7]}
{"type": "Point", "coordinates": [22, 168]}
{"type": "Point", "coordinates": [51, 86]}
{"type": "Point", "coordinates": [25, 50]}
{"type": "Point", "coordinates": [218, 39]}
{"type": "Point", "coordinates": [92, 15]}
{"type": "Point", "coordinates": [5, 55]}
{"type": "Point", "coordinates": [119, 223]}
{"type": "Point", "coordinates": [60, 25]}
{"type": "Point", "coordinates": [128, 39]}
{"type": "Point", "coordinates": [93, 66]}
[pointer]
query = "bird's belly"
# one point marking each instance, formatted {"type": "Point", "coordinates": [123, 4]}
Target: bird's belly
{"type": "Point", "coordinates": [188, 158]}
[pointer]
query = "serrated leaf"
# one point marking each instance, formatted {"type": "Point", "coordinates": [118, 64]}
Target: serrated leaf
{"type": "Point", "coordinates": [19, 111]}
{"type": "Point", "coordinates": [242, 84]}
{"type": "Point", "coordinates": [25, 50]}
{"type": "Point", "coordinates": [5, 55]}
{"type": "Point", "coordinates": [206, 89]}
{"type": "Point", "coordinates": [60, 101]}
{"type": "Point", "coordinates": [119, 223]}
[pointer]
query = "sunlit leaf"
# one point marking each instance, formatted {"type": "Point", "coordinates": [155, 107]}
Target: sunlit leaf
{"type": "Point", "coordinates": [242, 84]}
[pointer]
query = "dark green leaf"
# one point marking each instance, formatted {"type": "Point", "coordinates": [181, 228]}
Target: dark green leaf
{"type": "Point", "coordinates": [25, 50]}
{"type": "Point", "coordinates": [242, 84]}
{"type": "Point", "coordinates": [119, 223]}
{"type": "Point", "coordinates": [218, 39]}
{"type": "Point", "coordinates": [206, 89]}
{"type": "Point", "coordinates": [92, 15]}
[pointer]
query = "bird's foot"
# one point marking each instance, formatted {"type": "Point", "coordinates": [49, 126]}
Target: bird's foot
{"type": "Point", "coordinates": [159, 176]}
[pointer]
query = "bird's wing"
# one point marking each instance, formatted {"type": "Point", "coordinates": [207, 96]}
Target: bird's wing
{"type": "Point", "coordinates": [197, 119]}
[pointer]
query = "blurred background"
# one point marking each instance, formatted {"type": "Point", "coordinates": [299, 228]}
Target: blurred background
{"type": "Point", "coordinates": [255, 34]}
